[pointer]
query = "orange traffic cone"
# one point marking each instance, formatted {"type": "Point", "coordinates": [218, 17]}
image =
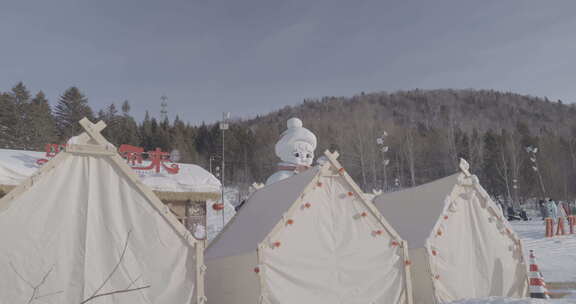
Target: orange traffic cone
{"type": "Point", "coordinates": [549, 227]}
{"type": "Point", "coordinates": [537, 285]}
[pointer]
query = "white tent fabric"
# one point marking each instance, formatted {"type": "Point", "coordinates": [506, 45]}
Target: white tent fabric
{"type": "Point", "coordinates": [312, 238]}
{"type": "Point", "coordinates": [460, 244]}
{"type": "Point", "coordinates": [82, 230]}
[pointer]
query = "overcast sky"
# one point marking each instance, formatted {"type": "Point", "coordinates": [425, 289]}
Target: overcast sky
{"type": "Point", "coordinates": [254, 56]}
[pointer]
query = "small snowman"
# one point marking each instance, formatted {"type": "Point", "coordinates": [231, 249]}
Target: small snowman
{"type": "Point", "coordinates": [296, 150]}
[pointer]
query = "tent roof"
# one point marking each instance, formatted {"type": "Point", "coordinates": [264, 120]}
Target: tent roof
{"type": "Point", "coordinates": [191, 182]}
{"type": "Point", "coordinates": [414, 212]}
{"type": "Point", "coordinates": [259, 215]}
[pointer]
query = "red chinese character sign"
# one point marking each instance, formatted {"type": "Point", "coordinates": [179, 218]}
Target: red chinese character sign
{"type": "Point", "coordinates": [157, 159]}
{"type": "Point", "coordinates": [131, 153]}
{"type": "Point", "coordinates": [134, 155]}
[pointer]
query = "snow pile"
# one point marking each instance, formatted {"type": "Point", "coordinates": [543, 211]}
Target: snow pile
{"type": "Point", "coordinates": [555, 256]}
{"type": "Point", "coordinates": [190, 178]}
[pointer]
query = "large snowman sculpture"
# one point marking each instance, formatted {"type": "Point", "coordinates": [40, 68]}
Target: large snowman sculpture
{"type": "Point", "coordinates": [296, 150]}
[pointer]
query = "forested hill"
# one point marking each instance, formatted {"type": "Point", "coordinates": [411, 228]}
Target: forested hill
{"type": "Point", "coordinates": [428, 130]}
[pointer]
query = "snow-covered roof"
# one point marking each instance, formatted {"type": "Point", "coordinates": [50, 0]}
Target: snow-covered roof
{"type": "Point", "coordinates": [16, 165]}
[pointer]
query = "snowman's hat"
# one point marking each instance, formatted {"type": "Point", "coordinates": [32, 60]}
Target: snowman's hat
{"type": "Point", "coordinates": [294, 133]}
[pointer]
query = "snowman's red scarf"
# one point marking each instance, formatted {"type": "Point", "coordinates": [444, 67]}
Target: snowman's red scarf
{"type": "Point", "coordinates": [297, 168]}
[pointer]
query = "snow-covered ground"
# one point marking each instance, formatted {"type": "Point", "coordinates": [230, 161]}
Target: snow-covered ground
{"type": "Point", "coordinates": [555, 256]}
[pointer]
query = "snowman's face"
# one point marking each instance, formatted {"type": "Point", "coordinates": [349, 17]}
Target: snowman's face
{"type": "Point", "coordinates": [301, 153]}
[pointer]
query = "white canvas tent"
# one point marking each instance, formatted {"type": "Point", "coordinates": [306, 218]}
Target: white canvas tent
{"type": "Point", "coordinates": [311, 238]}
{"type": "Point", "coordinates": [85, 229]}
{"type": "Point", "coordinates": [460, 244]}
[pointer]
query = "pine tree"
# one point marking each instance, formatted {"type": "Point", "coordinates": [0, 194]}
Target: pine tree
{"type": "Point", "coordinates": [126, 108]}
{"type": "Point", "coordinates": [42, 125]}
{"type": "Point", "coordinates": [181, 140]}
{"type": "Point", "coordinates": [113, 124]}
{"type": "Point", "coordinates": [160, 135]}
{"type": "Point", "coordinates": [146, 133]}
{"type": "Point", "coordinates": [7, 121]}
{"type": "Point", "coordinates": [71, 108]}
{"type": "Point", "coordinates": [129, 128]}
{"type": "Point", "coordinates": [20, 127]}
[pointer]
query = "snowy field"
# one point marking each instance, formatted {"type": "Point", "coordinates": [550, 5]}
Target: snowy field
{"type": "Point", "coordinates": [556, 258]}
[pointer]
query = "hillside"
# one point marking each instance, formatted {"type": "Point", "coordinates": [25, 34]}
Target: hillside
{"type": "Point", "coordinates": [429, 129]}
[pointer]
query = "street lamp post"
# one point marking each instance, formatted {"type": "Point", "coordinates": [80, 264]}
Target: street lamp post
{"type": "Point", "coordinates": [223, 127]}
